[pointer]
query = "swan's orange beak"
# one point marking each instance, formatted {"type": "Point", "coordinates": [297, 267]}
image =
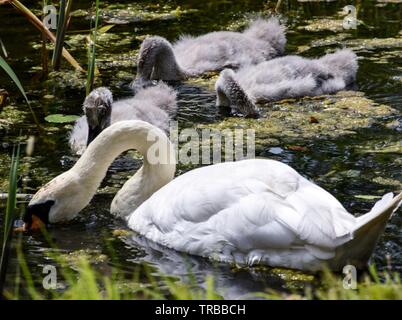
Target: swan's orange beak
{"type": "Point", "coordinates": [36, 225]}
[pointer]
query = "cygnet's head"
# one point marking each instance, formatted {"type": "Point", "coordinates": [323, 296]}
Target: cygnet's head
{"type": "Point", "coordinates": [229, 94]}
{"type": "Point", "coordinates": [98, 110]}
{"type": "Point", "coordinates": [157, 61]}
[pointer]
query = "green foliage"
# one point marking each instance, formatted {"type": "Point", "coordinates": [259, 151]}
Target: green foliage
{"type": "Point", "coordinates": [371, 288]}
{"type": "Point", "coordinates": [92, 53]}
{"type": "Point", "coordinates": [13, 76]}
{"type": "Point", "coordinates": [4, 65]}
{"type": "Point", "coordinates": [61, 32]}
{"type": "Point", "coordinates": [61, 118]}
{"type": "Point", "coordinates": [3, 48]}
{"type": "Point", "coordinates": [9, 216]}
{"type": "Point", "coordinates": [86, 283]}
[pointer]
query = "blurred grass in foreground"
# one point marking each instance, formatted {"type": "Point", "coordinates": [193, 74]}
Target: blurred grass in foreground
{"type": "Point", "coordinates": [86, 283]}
{"type": "Point", "coordinates": [373, 286]}
{"type": "Point", "coordinates": [9, 217]}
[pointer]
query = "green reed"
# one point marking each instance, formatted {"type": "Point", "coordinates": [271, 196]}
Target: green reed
{"type": "Point", "coordinates": [9, 217]}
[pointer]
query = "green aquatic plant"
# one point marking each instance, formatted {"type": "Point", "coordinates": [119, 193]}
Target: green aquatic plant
{"type": "Point", "coordinates": [9, 217]}
{"type": "Point", "coordinates": [4, 65]}
{"type": "Point", "coordinates": [61, 118]}
{"type": "Point", "coordinates": [32, 18]}
{"type": "Point", "coordinates": [374, 286]}
{"type": "Point", "coordinates": [3, 48]}
{"type": "Point", "coordinates": [92, 52]}
{"type": "Point", "coordinates": [82, 281]}
{"type": "Point", "coordinates": [62, 25]}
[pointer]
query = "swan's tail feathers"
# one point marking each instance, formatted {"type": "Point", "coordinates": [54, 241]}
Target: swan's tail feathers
{"type": "Point", "coordinates": [270, 30]}
{"type": "Point", "coordinates": [343, 63]}
{"type": "Point", "coordinates": [160, 95]}
{"type": "Point", "coordinates": [379, 214]}
{"type": "Point", "coordinates": [231, 95]}
{"type": "Point", "coordinates": [367, 231]}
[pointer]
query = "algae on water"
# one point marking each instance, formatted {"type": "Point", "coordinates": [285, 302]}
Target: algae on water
{"type": "Point", "coordinates": [290, 120]}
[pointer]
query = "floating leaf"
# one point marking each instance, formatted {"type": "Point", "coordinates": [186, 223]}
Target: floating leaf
{"type": "Point", "coordinates": [61, 118]}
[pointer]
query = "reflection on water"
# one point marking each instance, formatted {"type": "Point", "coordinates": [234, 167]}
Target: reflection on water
{"type": "Point", "coordinates": [351, 166]}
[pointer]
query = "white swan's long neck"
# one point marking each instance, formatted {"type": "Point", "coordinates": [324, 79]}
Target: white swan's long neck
{"type": "Point", "coordinates": [157, 170]}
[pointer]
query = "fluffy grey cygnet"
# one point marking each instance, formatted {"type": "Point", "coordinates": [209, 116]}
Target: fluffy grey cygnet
{"type": "Point", "coordinates": [191, 56]}
{"type": "Point", "coordinates": [285, 77]}
{"type": "Point", "coordinates": [155, 104]}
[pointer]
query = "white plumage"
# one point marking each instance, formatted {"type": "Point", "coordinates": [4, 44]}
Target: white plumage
{"type": "Point", "coordinates": [253, 212]}
{"type": "Point", "coordinates": [249, 212]}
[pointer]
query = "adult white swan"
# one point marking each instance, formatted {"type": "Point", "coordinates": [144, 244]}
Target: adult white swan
{"type": "Point", "coordinates": [191, 56]}
{"type": "Point", "coordinates": [251, 211]}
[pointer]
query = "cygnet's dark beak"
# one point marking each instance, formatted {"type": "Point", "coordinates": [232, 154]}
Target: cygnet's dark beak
{"type": "Point", "coordinates": [93, 133]}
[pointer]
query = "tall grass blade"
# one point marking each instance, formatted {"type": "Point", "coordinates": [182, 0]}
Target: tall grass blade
{"type": "Point", "coordinates": [3, 48]}
{"type": "Point", "coordinates": [13, 77]}
{"type": "Point", "coordinates": [39, 25]}
{"type": "Point", "coordinates": [92, 53]}
{"type": "Point", "coordinates": [4, 65]}
{"type": "Point", "coordinates": [61, 32]}
{"type": "Point", "coordinates": [9, 217]}
{"type": "Point", "coordinates": [45, 68]}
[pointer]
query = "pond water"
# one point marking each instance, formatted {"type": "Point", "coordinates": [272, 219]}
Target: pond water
{"type": "Point", "coordinates": [354, 151]}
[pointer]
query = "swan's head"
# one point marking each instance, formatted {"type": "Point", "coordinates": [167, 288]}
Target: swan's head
{"type": "Point", "coordinates": [60, 200]}
{"type": "Point", "coordinates": [98, 110]}
{"type": "Point", "coordinates": [229, 94]}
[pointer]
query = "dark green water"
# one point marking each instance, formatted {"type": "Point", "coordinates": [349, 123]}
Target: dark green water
{"type": "Point", "coordinates": [367, 162]}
